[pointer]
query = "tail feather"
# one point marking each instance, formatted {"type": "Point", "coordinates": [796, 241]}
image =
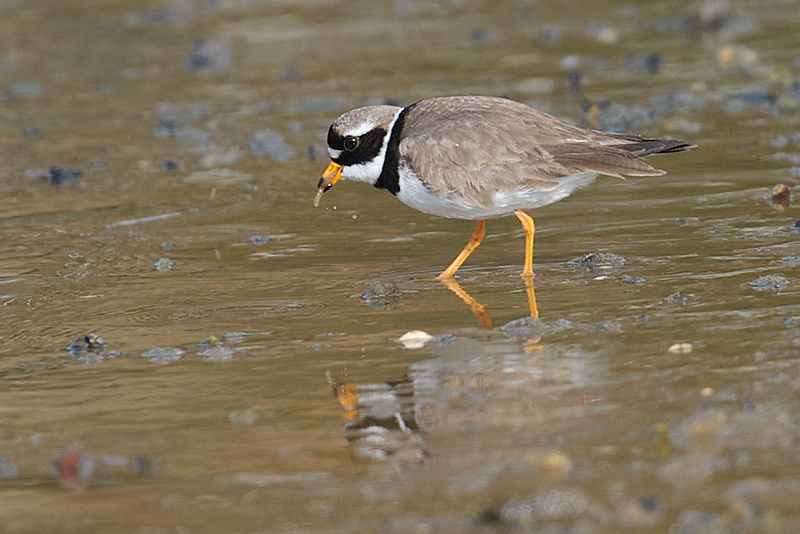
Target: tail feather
{"type": "Point", "coordinates": [640, 147]}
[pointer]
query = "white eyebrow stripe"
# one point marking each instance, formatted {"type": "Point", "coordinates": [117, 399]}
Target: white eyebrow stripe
{"type": "Point", "coordinates": [362, 129]}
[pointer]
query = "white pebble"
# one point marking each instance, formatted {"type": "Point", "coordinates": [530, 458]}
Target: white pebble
{"type": "Point", "coordinates": [415, 339]}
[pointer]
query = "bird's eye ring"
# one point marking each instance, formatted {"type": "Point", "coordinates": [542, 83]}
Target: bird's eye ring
{"type": "Point", "coordinates": [351, 143]}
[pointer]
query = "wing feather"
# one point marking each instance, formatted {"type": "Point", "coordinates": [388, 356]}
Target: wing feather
{"type": "Point", "coordinates": [473, 147]}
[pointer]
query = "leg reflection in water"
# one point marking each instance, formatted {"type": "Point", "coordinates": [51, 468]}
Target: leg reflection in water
{"type": "Point", "coordinates": [483, 316]}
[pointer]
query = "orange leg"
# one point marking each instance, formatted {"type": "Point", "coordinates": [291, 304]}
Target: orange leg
{"type": "Point", "coordinates": [528, 226]}
{"type": "Point", "coordinates": [477, 237]}
{"type": "Point", "coordinates": [534, 309]}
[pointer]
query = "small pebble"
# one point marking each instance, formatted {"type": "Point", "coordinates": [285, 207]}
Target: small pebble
{"type": "Point", "coordinates": [163, 264]}
{"type": "Point", "coordinates": [781, 196]}
{"type": "Point", "coordinates": [415, 339]}
{"type": "Point", "coordinates": [676, 299]}
{"type": "Point", "coordinates": [7, 469]}
{"type": "Point", "coordinates": [608, 326]}
{"type": "Point", "coordinates": [259, 239]}
{"type": "Point", "coordinates": [680, 348]}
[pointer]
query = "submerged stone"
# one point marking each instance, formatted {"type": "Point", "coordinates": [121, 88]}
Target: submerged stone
{"type": "Point", "coordinates": [597, 258]}
{"type": "Point", "coordinates": [524, 328]}
{"type": "Point", "coordinates": [770, 282]}
{"type": "Point", "coordinates": [383, 296]}
{"type": "Point", "coordinates": [270, 143]}
{"type": "Point", "coordinates": [163, 354]}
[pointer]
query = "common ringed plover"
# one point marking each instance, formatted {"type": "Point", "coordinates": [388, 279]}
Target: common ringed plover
{"type": "Point", "coordinates": [478, 157]}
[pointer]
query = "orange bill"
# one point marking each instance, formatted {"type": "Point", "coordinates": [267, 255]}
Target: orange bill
{"type": "Point", "coordinates": [331, 175]}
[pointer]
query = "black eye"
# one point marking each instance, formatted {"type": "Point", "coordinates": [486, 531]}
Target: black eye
{"type": "Point", "coordinates": [350, 143]}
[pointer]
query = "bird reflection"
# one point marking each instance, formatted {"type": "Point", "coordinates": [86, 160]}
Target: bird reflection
{"type": "Point", "coordinates": [383, 419]}
{"type": "Point", "coordinates": [478, 309]}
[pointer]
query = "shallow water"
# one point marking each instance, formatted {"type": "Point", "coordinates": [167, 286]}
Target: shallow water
{"type": "Point", "coordinates": [303, 412]}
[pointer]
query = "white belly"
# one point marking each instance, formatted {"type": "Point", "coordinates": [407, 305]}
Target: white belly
{"type": "Point", "coordinates": [416, 194]}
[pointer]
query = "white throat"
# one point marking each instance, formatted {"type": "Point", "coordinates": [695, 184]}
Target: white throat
{"type": "Point", "coordinates": [369, 171]}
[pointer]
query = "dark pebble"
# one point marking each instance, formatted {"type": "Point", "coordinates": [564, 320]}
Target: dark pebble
{"type": "Point", "coordinates": [143, 465]}
{"type": "Point", "coordinates": [491, 514]}
{"type": "Point", "coordinates": [628, 279]}
{"type": "Point", "coordinates": [290, 74]}
{"type": "Point", "coordinates": [171, 165]}
{"type": "Point", "coordinates": [649, 503]}
{"type": "Point", "coordinates": [166, 246]}
{"type": "Point", "coordinates": [33, 131]}
{"type": "Point", "coordinates": [196, 61]}
{"type": "Point", "coordinates": [737, 103]}
{"type": "Point", "coordinates": [649, 64]}
{"type": "Point", "coordinates": [58, 176]}
{"type": "Point", "coordinates": [165, 129]}
{"type": "Point", "coordinates": [444, 340]}
{"type": "Point", "coordinates": [311, 153]}
{"type": "Point", "coordinates": [479, 35]}
{"type": "Point", "coordinates": [574, 81]}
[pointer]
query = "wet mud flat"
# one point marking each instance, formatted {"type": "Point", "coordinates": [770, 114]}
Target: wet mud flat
{"type": "Point", "coordinates": [187, 345]}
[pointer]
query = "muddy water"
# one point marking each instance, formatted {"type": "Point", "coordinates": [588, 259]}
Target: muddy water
{"type": "Point", "coordinates": [658, 393]}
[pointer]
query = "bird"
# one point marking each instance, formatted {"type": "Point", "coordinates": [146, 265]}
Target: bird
{"type": "Point", "coordinates": [479, 157]}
